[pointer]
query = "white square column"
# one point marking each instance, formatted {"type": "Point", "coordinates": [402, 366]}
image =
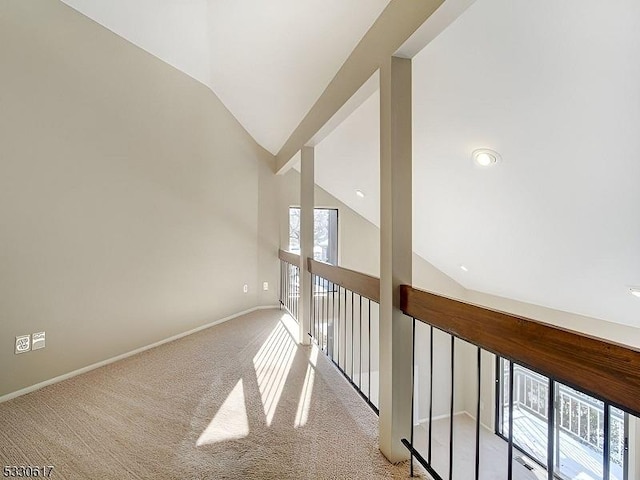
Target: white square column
{"type": "Point", "coordinates": [307, 183]}
{"type": "Point", "coordinates": [395, 255]}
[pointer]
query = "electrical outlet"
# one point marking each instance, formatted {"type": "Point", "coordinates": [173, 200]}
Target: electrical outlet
{"type": "Point", "coordinates": [37, 341]}
{"type": "Point", "coordinates": [265, 286]}
{"type": "Point", "coordinates": [23, 344]}
{"type": "Point", "coordinates": [245, 288]}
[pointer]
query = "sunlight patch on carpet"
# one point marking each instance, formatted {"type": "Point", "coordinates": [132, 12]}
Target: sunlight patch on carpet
{"type": "Point", "coordinates": [304, 404]}
{"type": "Point", "coordinates": [230, 423]}
{"type": "Point", "coordinates": [291, 325]}
{"type": "Point", "coordinates": [272, 364]}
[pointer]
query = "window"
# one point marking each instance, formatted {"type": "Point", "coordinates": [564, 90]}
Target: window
{"type": "Point", "coordinates": [325, 233]}
{"type": "Point", "coordinates": [576, 419]}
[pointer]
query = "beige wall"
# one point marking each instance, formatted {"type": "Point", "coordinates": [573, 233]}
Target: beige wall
{"type": "Point", "coordinates": [130, 198]}
{"type": "Point", "coordinates": [268, 222]}
{"type": "Point", "coordinates": [611, 331]}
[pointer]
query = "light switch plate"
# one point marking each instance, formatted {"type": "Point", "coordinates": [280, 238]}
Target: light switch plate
{"type": "Point", "coordinates": [23, 343]}
{"type": "Point", "coordinates": [265, 286]}
{"type": "Point", "coordinates": [37, 341]}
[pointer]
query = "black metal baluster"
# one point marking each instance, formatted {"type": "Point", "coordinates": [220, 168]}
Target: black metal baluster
{"type": "Point", "coordinates": [360, 343]}
{"type": "Point", "coordinates": [413, 376]}
{"type": "Point", "coordinates": [328, 316]}
{"type": "Point", "coordinates": [352, 322]}
{"type": "Point", "coordinates": [333, 320]}
{"type": "Point", "coordinates": [326, 324]}
{"type": "Point", "coordinates": [322, 317]}
{"type": "Point", "coordinates": [289, 308]}
{"type": "Point", "coordinates": [550, 426]}
{"type": "Point", "coordinates": [313, 307]}
{"type": "Point", "coordinates": [453, 344]}
{"type": "Point", "coordinates": [510, 459]}
{"type": "Point", "coordinates": [336, 320]}
{"type": "Point", "coordinates": [320, 297]}
{"type": "Point", "coordinates": [346, 351]}
{"type": "Point", "coordinates": [325, 335]}
{"type": "Point", "coordinates": [430, 393]}
{"type": "Point", "coordinates": [280, 287]}
{"type": "Point", "coordinates": [478, 414]}
{"type": "Point", "coordinates": [369, 352]}
{"type": "Point", "coordinates": [606, 451]}
{"type": "Point", "coordinates": [339, 323]}
{"type": "Point", "coordinates": [318, 310]}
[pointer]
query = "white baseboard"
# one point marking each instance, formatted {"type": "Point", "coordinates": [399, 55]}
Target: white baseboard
{"type": "Point", "coordinates": [446, 415]}
{"type": "Point", "coordinates": [93, 366]}
{"type": "Point", "coordinates": [439, 417]}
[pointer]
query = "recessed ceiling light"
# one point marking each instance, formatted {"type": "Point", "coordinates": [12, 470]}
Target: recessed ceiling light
{"type": "Point", "coordinates": [484, 157]}
{"type": "Point", "coordinates": [463, 268]}
{"type": "Point", "coordinates": [635, 291]}
{"type": "Point", "coordinates": [359, 193]}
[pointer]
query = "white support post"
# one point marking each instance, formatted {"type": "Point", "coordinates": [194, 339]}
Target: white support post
{"type": "Point", "coordinates": [395, 255]}
{"type": "Point", "coordinates": [307, 183]}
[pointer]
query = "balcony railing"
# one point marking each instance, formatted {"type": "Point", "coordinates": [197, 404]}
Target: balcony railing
{"type": "Point", "coordinates": [345, 324]}
{"type": "Point", "coordinates": [290, 282]}
{"type": "Point", "coordinates": [604, 370]}
{"type": "Point", "coordinates": [579, 415]}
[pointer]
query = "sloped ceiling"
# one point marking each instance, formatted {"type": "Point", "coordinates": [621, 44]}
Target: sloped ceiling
{"type": "Point", "coordinates": [553, 87]}
{"type": "Point", "coordinates": [268, 61]}
{"type": "Point", "coordinates": [349, 160]}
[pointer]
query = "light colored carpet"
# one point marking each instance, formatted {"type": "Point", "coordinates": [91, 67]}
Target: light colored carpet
{"type": "Point", "coordinates": [177, 412]}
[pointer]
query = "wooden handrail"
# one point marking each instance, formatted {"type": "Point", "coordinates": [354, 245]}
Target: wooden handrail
{"type": "Point", "coordinates": [357, 282]}
{"type": "Point", "coordinates": [289, 257]}
{"type": "Point", "coordinates": [604, 369]}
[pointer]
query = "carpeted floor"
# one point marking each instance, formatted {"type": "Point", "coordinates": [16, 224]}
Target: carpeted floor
{"type": "Point", "coordinates": [239, 400]}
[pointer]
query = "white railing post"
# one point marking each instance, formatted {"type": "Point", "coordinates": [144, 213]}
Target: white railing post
{"type": "Point", "coordinates": [306, 242]}
{"type": "Point", "coordinates": [395, 255]}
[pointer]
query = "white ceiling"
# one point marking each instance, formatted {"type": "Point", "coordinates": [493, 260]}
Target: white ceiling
{"type": "Point", "coordinates": [349, 160]}
{"type": "Point", "coordinates": [268, 61]}
{"type": "Point", "coordinates": [554, 87]}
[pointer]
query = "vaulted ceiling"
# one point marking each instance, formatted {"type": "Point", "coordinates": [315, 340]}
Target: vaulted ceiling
{"type": "Point", "coordinates": [550, 85]}
{"type": "Point", "coordinates": [268, 61]}
{"type": "Point", "coordinates": [553, 87]}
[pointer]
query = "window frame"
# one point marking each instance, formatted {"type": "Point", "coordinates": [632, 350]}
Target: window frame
{"type": "Point", "coordinates": [552, 446]}
{"type": "Point", "coordinates": [333, 232]}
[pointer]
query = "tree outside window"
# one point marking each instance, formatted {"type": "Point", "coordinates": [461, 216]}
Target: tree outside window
{"type": "Point", "coordinates": [325, 233]}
